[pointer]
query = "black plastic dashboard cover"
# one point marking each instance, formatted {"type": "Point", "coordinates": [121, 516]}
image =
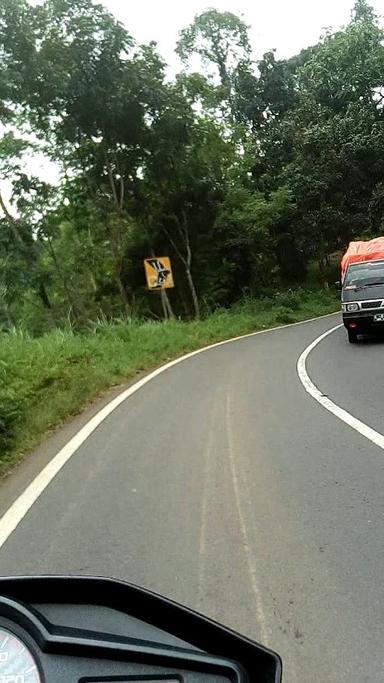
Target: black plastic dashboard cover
{"type": "Point", "coordinates": [222, 651]}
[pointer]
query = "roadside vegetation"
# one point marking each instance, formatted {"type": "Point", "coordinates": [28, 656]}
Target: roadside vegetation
{"type": "Point", "coordinates": [45, 380]}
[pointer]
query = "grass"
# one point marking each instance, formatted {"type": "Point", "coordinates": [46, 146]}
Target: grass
{"type": "Point", "coordinates": [44, 381]}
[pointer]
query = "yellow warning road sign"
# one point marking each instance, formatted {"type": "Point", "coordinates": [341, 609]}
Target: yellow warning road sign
{"type": "Point", "coordinates": [158, 272]}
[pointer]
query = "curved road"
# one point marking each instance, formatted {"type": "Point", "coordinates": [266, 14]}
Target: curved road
{"type": "Point", "coordinates": [225, 486]}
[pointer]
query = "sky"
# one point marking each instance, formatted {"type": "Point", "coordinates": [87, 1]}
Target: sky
{"type": "Point", "coordinates": [287, 25]}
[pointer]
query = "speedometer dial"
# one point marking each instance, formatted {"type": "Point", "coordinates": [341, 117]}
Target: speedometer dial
{"type": "Point", "coordinates": [17, 664]}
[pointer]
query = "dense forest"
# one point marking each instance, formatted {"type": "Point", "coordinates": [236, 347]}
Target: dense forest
{"type": "Point", "coordinates": [242, 171]}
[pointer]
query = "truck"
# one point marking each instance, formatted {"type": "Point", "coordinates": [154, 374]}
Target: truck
{"type": "Point", "coordinates": [362, 288]}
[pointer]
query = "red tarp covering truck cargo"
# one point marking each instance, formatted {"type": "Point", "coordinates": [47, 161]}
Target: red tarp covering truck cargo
{"type": "Point", "coordinates": [373, 250]}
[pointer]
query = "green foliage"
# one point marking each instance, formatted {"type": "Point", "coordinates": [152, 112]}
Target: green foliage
{"type": "Point", "coordinates": [362, 11]}
{"type": "Point", "coordinates": [348, 66]}
{"type": "Point", "coordinates": [11, 416]}
{"type": "Point", "coordinates": [221, 41]}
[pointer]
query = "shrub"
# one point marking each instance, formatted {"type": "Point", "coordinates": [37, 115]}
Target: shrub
{"type": "Point", "coordinates": [290, 299]}
{"type": "Point", "coordinates": [11, 415]}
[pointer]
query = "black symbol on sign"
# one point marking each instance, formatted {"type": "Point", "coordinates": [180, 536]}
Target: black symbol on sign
{"type": "Point", "coordinates": [161, 272]}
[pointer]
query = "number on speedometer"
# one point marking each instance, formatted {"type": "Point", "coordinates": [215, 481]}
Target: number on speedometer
{"type": "Point", "coordinates": [17, 665]}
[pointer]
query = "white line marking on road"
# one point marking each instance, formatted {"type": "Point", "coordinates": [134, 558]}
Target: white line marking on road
{"type": "Point", "coordinates": [17, 511]}
{"type": "Point", "coordinates": [251, 561]}
{"type": "Point", "coordinates": [356, 424]}
{"type": "Point", "coordinates": [204, 508]}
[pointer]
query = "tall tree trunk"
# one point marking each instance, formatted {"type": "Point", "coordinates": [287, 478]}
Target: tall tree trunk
{"type": "Point", "coordinates": [168, 305]}
{"type": "Point", "coordinates": [115, 236]}
{"type": "Point", "coordinates": [89, 265]}
{"type": "Point", "coordinates": [29, 253]}
{"type": "Point", "coordinates": [164, 305]}
{"type": "Point", "coordinates": [117, 272]}
{"type": "Point", "coordinates": [43, 294]}
{"type": "Point", "coordinates": [192, 287]}
{"type": "Point", "coordinates": [123, 294]}
{"type": "Point", "coordinates": [89, 269]}
{"type": "Point", "coordinates": [68, 294]}
{"type": "Point", "coordinates": [187, 261]}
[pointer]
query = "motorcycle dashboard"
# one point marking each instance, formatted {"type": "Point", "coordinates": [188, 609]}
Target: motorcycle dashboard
{"type": "Point", "coordinates": [90, 630]}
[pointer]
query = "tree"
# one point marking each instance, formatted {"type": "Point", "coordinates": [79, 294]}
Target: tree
{"type": "Point", "coordinates": [348, 66]}
{"type": "Point", "coordinates": [182, 183]}
{"type": "Point", "coordinates": [93, 97]}
{"type": "Point", "coordinates": [320, 135]}
{"type": "Point", "coordinates": [250, 221]}
{"type": "Point", "coordinates": [21, 236]}
{"type": "Point", "coordinates": [362, 11]}
{"type": "Point", "coordinates": [221, 40]}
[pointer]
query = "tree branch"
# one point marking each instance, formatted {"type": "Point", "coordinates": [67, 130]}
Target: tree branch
{"type": "Point", "coordinates": [12, 222]}
{"type": "Point", "coordinates": [111, 180]}
{"type": "Point", "coordinates": [176, 248]}
{"type": "Point", "coordinates": [122, 192]}
{"type": "Point", "coordinates": [186, 239]}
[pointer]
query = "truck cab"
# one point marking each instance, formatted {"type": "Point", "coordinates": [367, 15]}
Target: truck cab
{"type": "Point", "coordinates": [362, 298]}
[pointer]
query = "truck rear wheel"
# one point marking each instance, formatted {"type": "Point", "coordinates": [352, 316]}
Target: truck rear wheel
{"type": "Point", "coordinates": [352, 336]}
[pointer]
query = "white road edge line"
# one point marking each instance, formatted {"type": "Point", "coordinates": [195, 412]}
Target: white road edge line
{"type": "Point", "coordinates": [19, 508]}
{"type": "Point", "coordinates": [359, 426]}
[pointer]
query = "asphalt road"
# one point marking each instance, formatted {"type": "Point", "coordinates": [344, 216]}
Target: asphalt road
{"type": "Point", "coordinates": [225, 486]}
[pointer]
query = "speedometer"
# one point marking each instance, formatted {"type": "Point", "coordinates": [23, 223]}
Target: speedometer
{"type": "Point", "coordinates": [17, 664]}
